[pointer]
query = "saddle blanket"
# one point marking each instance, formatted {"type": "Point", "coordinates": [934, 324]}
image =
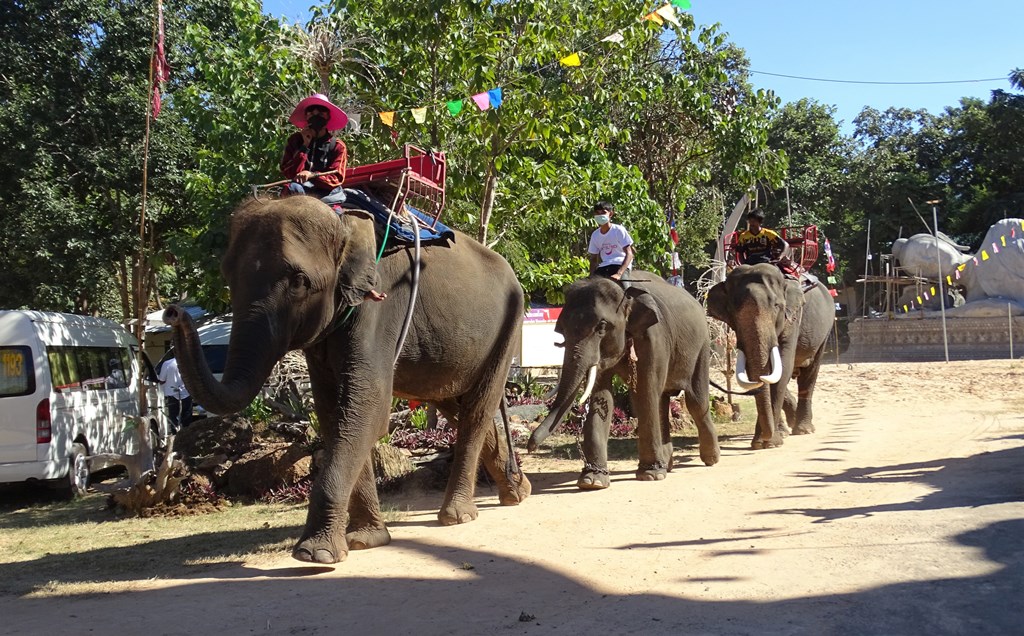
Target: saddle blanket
{"type": "Point", "coordinates": [401, 229]}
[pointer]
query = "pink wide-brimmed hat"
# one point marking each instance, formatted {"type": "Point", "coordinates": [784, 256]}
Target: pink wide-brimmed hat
{"type": "Point", "coordinates": [338, 117]}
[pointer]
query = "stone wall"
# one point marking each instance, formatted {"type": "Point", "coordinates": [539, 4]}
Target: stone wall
{"type": "Point", "coordinates": [883, 340]}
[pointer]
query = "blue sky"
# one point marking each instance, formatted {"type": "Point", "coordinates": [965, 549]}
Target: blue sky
{"type": "Point", "coordinates": [895, 41]}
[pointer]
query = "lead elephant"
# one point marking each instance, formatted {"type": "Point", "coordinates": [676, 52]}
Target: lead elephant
{"type": "Point", "coordinates": [780, 333]}
{"type": "Point", "coordinates": [298, 273]}
{"type": "Point", "coordinates": [669, 334]}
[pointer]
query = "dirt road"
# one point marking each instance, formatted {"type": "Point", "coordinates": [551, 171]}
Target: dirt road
{"type": "Point", "coordinates": [903, 514]}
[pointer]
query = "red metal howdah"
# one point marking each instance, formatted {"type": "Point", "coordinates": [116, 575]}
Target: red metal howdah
{"type": "Point", "coordinates": [417, 179]}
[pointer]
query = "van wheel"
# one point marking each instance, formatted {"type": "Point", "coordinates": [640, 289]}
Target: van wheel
{"type": "Point", "coordinates": [78, 472]}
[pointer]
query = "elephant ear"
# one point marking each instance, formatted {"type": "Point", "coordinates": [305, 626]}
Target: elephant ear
{"type": "Point", "coordinates": [794, 301]}
{"type": "Point", "coordinates": [643, 312]}
{"type": "Point", "coordinates": [357, 266]}
{"type": "Point", "coordinates": [717, 304]}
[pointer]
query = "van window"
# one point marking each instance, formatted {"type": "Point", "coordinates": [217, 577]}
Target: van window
{"type": "Point", "coordinates": [16, 374]}
{"type": "Point", "coordinates": [90, 368]}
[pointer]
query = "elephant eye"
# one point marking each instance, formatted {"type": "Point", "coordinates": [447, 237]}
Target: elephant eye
{"type": "Point", "coordinates": [602, 326]}
{"type": "Point", "coordinates": [299, 281]}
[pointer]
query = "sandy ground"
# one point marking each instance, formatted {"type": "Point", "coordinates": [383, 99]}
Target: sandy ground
{"type": "Point", "coordinates": [903, 514]}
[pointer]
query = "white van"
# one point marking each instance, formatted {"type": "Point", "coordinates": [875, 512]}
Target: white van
{"type": "Point", "coordinates": [68, 384]}
{"type": "Point", "coordinates": [214, 336]}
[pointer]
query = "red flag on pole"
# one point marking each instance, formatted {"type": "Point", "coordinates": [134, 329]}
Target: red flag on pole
{"type": "Point", "coordinates": [161, 71]}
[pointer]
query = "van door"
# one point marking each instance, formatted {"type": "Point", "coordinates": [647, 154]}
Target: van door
{"type": "Point", "coordinates": [18, 405]}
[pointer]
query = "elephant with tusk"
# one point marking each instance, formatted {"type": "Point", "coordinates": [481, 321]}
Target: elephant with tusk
{"type": "Point", "coordinates": [780, 334]}
{"type": "Point", "coordinates": [669, 335]}
{"type": "Point", "coordinates": [298, 274]}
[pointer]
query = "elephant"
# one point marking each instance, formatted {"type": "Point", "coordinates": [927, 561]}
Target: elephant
{"type": "Point", "coordinates": [603, 324]}
{"type": "Point", "coordinates": [298, 273]}
{"type": "Point", "coordinates": [780, 333]}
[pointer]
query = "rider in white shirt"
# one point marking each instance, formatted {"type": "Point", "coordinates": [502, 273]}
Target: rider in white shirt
{"type": "Point", "coordinates": [611, 247]}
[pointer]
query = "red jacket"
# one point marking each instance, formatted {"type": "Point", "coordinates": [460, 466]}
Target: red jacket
{"type": "Point", "coordinates": [327, 153]}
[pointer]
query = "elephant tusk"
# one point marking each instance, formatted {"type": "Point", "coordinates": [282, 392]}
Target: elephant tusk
{"type": "Point", "coordinates": [776, 368]}
{"type": "Point", "coordinates": [741, 372]}
{"type": "Point", "coordinates": [591, 378]}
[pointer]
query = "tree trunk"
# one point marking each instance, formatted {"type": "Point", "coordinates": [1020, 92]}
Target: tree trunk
{"type": "Point", "coordinates": [487, 205]}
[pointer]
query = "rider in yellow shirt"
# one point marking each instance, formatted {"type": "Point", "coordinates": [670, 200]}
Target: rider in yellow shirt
{"type": "Point", "coordinates": [758, 244]}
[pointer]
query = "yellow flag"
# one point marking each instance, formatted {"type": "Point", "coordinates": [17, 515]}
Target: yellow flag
{"type": "Point", "coordinates": [1003, 239]}
{"type": "Point", "coordinates": [919, 300]}
{"type": "Point", "coordinates": [570, 60]}
{"type": "Point", "coordinates": [933, 291]}
{"type": "Point", "coordinates": [669, 13]}
{"type": "Point", "coordinates": [949, 280]}
{"type": "Point", "coordinates": [905, 310]}
{"type": "Point", "coordinates": [962, 267]}
{"type": "Point", "coordinates": [419, 115]}
{"type": "Point", "coordinates": [984, 255]}
{"type": "Point", "coordinates": [655, 18]}
{"type": "Point", "coordinates": [388, 118]}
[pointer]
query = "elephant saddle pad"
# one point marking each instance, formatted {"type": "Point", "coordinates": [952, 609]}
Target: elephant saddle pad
{"type": "Point", "coordinates": [401, 229]}
{"type": "Point", "coordinates": [808, 281]}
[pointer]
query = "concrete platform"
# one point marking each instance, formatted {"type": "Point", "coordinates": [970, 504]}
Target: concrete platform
{"type": "Point", "coordinates": [920, 340]}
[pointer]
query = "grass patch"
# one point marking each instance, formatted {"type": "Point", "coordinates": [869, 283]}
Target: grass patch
{"type": "Point", "coordinates": [80, 546]}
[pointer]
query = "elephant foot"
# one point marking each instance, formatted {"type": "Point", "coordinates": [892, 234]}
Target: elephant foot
{"type": "Point", "coordinates": [774, 442]}
{"type": "Point", "coordinates": [593, 478]}
{"type": "Point", "coordinates": [366, 538]}
{"type": "Point", "coordinates": [803, 429]}
{"type": "Point", "coordinates": [318, 550]}
{"type": "Point", "coordinates": [711, 456]}
{"type": "Point", "coordinates": [652, 472]}
{"type": "Point", "coordinates": [516, 495]}
{"type": "Point", "coordinates": [783, 430]}
{"type": "Point", "coordinates": [457, 512]}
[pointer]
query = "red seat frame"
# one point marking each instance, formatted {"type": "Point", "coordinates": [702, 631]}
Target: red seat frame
{"type": "Point", "coordinates": [418, 178]}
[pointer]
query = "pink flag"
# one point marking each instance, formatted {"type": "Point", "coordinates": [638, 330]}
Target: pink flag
{"type": "Point", "coordinates": [995, 248]}
{"type": "Point", "coordinates": [161, 71]}
{"type": "Point", "coordinates": [483, 100]}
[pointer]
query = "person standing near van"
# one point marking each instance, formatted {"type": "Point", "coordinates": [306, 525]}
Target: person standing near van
{"type": "Point", "coordinates": [611, 246]}
{"type": "Point", "coordinates": [176, 397]}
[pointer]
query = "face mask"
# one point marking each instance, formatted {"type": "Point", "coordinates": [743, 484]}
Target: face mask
{"type": "Point", "coordinates": [316, 122]}
{"type": "Point", "coordinates": [601, 219]}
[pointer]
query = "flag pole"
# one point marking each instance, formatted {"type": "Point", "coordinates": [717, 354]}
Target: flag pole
{"type": "Point", "coordinates": [138, 287]}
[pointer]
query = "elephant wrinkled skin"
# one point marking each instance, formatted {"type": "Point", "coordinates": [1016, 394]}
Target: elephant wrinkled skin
{"type": "Point", "coordinates": [780, 334]}
{"type": "Point", "coordinates": [295, 268]}
{"type": "Point", "coordinates": [670, 337]}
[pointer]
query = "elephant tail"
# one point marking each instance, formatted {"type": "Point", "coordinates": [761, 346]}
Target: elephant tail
{"type": "Point", "coordinates": [725, 390]}
{"type": "Point", "coordinates": [512, 468]}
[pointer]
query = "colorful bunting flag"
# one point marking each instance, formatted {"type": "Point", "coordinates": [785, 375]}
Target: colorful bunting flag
{"type": "Point", "coordinates": [933, 291]}
{"type": "Point", "coordinates": [995, 250]}
{"type": "Point", "coordinates": [975, 259]}
{"type": "Point", "coordinates": [984, 255]}
{"type": "Point", "coordinates": [419, 115]}
{"type": "Point", "coordinates": [1013, 232]}
{"type": "Point", "coordinates": [674, 236]}
{"type": "Point", "coordinates": [905, 310]}
{"type": "Point", "coordinates": [1003, 240]}
{"type": "Point", "coordinates": [570, 60]}
{"type": "Point", "coordinates": [830, 263]}
{"type": "Point", "coordinates": [957, 273]}
{"type": "Point", "coordinates": [681, 4]}
{"type": "Point", "coordinates": [961, 267]}
{"type": "Point", "coordinates": [355, 121]}
{"type": "Point", "coordinates": [831, 280]}
{"type": "Point", "coordinates": [919, 301]}
{"type": "Point", "coordinates": [926, 296]}
{"type": "Point", "coordinates": [482, 100]}
{"type": "Point", "coordinates": [455, 107]}
{"type": "Point", "coordinates": [161, 71]}
{"type": "Point", "coordinates": [655, 18]}
{"type": "Point", "coordinates": [949, 279]}
{"type": "Point", "coordinates": [668, 12]}
{"type": "Point", "coordinates": [616, 37]}
{"type": "Point", "coordinates": [495, 97]}
{"type": "Point", "coordinates": [388, 117]}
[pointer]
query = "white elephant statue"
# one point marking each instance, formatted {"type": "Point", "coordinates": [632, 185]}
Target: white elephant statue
{"type": "Point", "coordinates": [995, 274]}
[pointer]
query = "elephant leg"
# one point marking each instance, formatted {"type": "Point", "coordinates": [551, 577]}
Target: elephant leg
{"type": "Point", "coordinates": [514, 488]}
{"type": "Point", "coordinates": [700, 411]}
{"type": "Point", "coordinates": [475, 423]}
{"type": "Point", "coordinates": [805, 391]}
{"type": "Point", "coordinates": [349, 431]}
{"type": "Point", "coordinates": [789, 408]}
{"type": "Point", "coordinates": [765, 433]}
{"type": "Point", "coordinates": [366, 528]}
{"type": "Point", "coordinates": [654, 461]}
{"type": "Point", "coordinates": [596, 429]}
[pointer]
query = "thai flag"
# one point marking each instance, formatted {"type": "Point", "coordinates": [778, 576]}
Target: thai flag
{"type": "Point", "coordinates": [830, 263]}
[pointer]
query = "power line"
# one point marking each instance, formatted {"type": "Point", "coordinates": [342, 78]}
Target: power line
{"type": "Point", "coordinates": [839, 81]}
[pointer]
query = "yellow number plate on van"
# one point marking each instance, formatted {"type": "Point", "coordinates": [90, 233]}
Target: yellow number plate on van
{"type": "Point", "coordinates": [13, 363]}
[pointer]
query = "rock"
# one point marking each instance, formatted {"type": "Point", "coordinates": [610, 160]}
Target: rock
{"type": "Point", "coordinates": [390, 463]}
{"type": "Point", "coordinates": [267, 467]}
{"type": "Point", "coordinates": [227, 435]}
{"type": "Point", "coordinates": [723, 409]}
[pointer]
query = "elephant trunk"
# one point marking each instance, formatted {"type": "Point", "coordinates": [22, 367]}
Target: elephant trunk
{"type": "Point", "coordinates": [246, 370]}
{"type": "Point", "coordinates": [758, 359]}
{"type": "Point", "coordinates": [568, 385]}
